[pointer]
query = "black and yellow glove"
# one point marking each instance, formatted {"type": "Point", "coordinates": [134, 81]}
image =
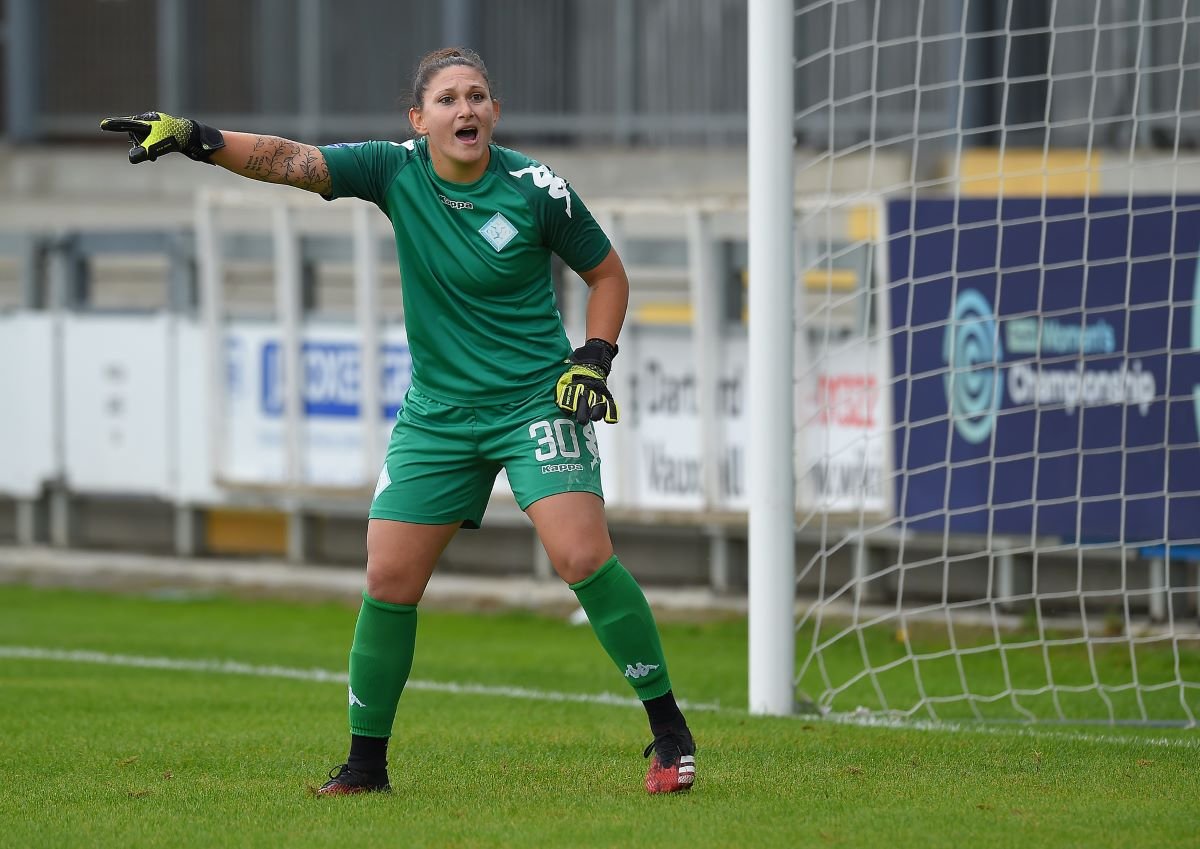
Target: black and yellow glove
{"type": "Point", "coordinates": [155, 133]}
{"type": "Point", "coordinates": [582, 392]}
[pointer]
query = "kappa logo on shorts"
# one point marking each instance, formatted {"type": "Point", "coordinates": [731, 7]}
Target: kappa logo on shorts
{"type": "Point", "coordinates": [498, 231]}
{"type": "Point", "coordinates": [562, 467]}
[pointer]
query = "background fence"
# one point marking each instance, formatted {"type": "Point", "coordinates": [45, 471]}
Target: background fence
{"type": "Point", "coordinates": [645, 72]}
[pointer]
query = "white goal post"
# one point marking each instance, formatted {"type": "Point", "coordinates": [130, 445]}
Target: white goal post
{"type": "Point", "coordinates": [1002, 201]}
{"type": "Point", "coordinates": [771, 239]}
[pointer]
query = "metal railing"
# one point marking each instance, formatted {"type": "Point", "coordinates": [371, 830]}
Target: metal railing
{"type": "Point", "coordinates": [644, 72]}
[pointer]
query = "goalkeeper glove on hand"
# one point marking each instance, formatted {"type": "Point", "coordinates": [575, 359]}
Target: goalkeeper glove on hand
{"type": "Point", "coordinates": [155, 133]}
{"type": "Point", "coordinates": [582, 392]}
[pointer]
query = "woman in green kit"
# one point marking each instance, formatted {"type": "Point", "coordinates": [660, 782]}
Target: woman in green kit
{"type": "Point", "coordinates": [495, 383]}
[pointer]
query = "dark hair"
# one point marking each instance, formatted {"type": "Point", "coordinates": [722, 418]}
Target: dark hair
{"type": "Point", "coordinates": [447, 57]}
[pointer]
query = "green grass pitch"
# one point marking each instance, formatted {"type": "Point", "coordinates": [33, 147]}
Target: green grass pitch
{"type": "Point", "coordinates": [106, 754]}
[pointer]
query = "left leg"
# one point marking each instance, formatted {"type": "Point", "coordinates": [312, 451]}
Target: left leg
{"type": "Point", "coordinates": [573, 530]}
{"type": "Point", "coordinates": [553, 465]}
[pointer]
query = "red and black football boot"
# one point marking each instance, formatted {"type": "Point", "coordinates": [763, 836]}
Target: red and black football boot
{"type": "Point", "coordinates": [343, 780]}
{"type": "Point", "coordinates": [673, 766]}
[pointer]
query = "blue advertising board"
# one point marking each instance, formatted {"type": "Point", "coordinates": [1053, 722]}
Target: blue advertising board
{"type": "Point", "coordinates": [332, 378]}
{"type": "Point", "coordinates": [1046, 364]}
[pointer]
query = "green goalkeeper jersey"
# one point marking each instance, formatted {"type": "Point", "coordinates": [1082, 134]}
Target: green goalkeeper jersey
{"type": "Point", "coordinates": [482, 321]}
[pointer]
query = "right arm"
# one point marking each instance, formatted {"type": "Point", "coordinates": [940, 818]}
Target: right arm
{"type": "Point", "coordinates": [274, 160]}
{"type": "Point", "coordinates": [267, 158]}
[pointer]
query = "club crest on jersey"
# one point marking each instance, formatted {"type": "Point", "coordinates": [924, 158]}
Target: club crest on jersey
{"type": "Point", "coordinates": [498, 231]}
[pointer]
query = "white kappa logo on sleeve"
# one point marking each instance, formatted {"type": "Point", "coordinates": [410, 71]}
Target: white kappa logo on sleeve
{"type": "Point", "coordinates": [544, 178]}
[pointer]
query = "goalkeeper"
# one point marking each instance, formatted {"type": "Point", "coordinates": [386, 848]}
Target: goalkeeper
{"type": "Point", "coordinates": [495, 384]}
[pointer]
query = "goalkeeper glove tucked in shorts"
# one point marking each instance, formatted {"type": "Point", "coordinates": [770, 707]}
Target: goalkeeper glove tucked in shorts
{"type": "Point", "coordinates": [155, 133]}
{"type": "Point", "coordinates": [582, 392]}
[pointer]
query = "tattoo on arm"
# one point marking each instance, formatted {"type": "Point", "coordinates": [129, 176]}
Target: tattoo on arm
{"type": "Point", "coordinates": [276, 160]}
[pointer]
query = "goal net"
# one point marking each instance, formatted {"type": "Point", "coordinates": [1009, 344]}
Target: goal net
{"type": "Point", "coordinates": [998, 359]}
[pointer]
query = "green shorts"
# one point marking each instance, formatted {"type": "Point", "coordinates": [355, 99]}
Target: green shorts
{"type": "Point", "coordinates": [442, 460]}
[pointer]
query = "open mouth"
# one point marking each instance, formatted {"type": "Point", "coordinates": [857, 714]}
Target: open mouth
{"type": "Point", "coordinates": [469, 135]}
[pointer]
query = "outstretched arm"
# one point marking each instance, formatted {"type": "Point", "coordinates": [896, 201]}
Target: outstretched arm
{"type": "Point", "coordinates": [274, 160]}
{"type": "Point", "coordinates": [267, 158]}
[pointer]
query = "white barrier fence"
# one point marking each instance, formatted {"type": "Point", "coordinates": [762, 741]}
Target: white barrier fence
{"type": "Point", "coordinates": [119, 405]}
{"type": "Point", "coordinates": [193, 410]}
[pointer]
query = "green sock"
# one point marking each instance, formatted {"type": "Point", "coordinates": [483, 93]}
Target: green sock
{"type": "Point", "coordinates": [380, 661]}
{"type": "Point", "coordinates": [621, 618]}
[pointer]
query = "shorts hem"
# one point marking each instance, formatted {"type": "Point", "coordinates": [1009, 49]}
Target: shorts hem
{"type": "Point", "coordinates": [418, 519]}
{"type": "Point", "coordinates": [524, 503]}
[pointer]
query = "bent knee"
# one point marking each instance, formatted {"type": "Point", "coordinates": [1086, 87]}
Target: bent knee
{"type": "Point", "coordinates": [577, 567]}
{"type": "Point", "coordinates": [394, 584]}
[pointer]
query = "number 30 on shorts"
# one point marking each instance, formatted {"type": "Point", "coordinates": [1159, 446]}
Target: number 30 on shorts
{"type": "Point", "coordinates": [555, 439]}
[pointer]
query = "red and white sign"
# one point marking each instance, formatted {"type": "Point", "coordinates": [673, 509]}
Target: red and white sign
{"type": "Point", "coordinates": [841, 456]}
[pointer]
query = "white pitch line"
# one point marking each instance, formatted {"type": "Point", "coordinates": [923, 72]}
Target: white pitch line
{"type": "Point", "coordinates": [234, 667]}
{"type": "Point", "coordinates": [947, 726]}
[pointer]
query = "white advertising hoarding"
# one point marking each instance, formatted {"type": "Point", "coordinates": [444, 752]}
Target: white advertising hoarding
{"type": "Point", "coordinates": [118, 387]}
{"type": "Point", "coordinates": [137, 415]}
{"type": "Point", "coordinates": [841, 417]}
{"type": "Point", "coordinates": [28, 458]}
{"type": "Point", "coordinates": [840, 448]}
{"type": "Point", "coordinates": [194, 479]}
{"type": "Point", "coordinates": [254, 439]}
{"type": "Point", "coordinates": [665, 463]}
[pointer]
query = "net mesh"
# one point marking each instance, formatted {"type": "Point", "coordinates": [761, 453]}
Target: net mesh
{"type": "Point", "coordinates": [998, 360]}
